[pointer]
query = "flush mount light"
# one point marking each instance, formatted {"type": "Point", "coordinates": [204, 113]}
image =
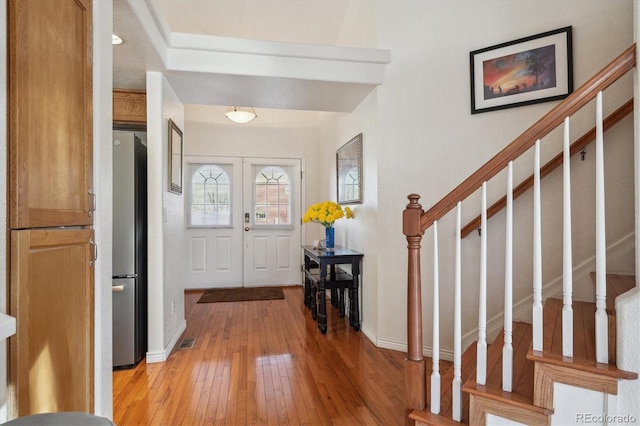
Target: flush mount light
{"type": "Point", "coordinates": [115, 39]}
{"type": "Point", "coordinates": [241, 115]}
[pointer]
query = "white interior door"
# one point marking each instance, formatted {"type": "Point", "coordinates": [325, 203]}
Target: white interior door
{"type": "Point", "coordinates": [272, 222]}
{"type": "Point", "coordinates": [243, 222]}
{"type": "Point", "coordinates": [213, 216]}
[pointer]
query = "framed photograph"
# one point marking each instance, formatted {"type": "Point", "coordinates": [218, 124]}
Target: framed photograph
{"type": "Point", "coordinates": [349, 168]}
{"type": "Point", "coordinates": [522, 72]}
{"type": "Point", "coordinates": [175, 158]}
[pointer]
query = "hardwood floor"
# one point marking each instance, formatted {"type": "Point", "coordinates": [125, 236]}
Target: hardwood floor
{"type": "Point", "coordinates": [264, 362]}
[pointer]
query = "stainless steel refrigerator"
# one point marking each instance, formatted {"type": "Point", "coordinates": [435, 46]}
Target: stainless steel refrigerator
{"type": "Point", "coordinates": [129, 249]}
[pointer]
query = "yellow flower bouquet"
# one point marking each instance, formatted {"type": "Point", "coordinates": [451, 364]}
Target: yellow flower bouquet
{"type": "Point", "coordinates": [326, 213]}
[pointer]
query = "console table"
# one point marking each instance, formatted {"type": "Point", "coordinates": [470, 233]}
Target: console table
{"type": "Point", "coordinates": [328, 277]}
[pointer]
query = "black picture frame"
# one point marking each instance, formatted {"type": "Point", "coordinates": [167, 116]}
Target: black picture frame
{"type": "Point", "coordinates": [526, 71]}
{"type": "Point", "coordinates": [175, 149]}
{"type": "Point", "coordinates": [349, 171]}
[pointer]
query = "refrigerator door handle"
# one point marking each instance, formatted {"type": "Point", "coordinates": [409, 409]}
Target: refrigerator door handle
{"type": "Point", "coordinates": [117, 288]}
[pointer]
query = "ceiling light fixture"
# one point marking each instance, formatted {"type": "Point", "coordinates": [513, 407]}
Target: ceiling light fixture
{"type": "Point", "coordinates": [115, 39]}
{"type": "Point", "coordinates": [238, 115]}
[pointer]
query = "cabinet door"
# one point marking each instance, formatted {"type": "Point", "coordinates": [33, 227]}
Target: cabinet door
{"type": "Point", "coordinates": [52, 301]}
{"type": "Point", "coordinates": [50, 113]}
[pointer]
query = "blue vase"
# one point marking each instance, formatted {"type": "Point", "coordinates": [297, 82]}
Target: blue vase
{"type": "Point", "coordinates": [329, 234]}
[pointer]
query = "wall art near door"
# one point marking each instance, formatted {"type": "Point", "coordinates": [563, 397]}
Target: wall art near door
{"type": "Point", "coordinates": [522, 72]}
{"type": "Point", "coordinates": [175, 158]}
{"type": "Point", "coordinates": [349, 168]}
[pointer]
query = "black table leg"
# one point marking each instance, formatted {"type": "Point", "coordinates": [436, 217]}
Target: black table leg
{"type": "Point", "coordinates": [313, 294]}
{"type": "Point", "coordinates": [354, 310]}
{"type": "Point", "coordinates": [307, 292]}
{"type": "Point", "coordinates": [322, 309]}
{"type": "Point", "coordinates": [334, 297]}
{"type": "Point", "coordinates": [307, 282]}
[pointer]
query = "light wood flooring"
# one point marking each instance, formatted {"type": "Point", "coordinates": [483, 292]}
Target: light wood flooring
{"type": "Point", "coordinates": [264, 362]}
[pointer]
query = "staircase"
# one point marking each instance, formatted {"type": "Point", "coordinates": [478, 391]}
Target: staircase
{"type": "Point", "coordinates": [531, 401]}
{"type": "Point", "coordinates": [569, 342]}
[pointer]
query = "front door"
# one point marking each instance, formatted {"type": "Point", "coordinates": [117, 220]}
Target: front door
{"type": "Point", "coordinates": [243, 221]}
{"type": "Point", "coordinates": [272, 231]}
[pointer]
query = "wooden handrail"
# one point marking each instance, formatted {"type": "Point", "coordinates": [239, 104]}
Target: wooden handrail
{"type": "Point", "coordinates": [553, 164]}
{"type": "Point", "coordinates": [612, 72]}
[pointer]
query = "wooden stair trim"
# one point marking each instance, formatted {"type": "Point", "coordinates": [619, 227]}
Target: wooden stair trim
{"type": "Point", "coordinates": [479, 407]}
{"type": "Point", "coordinates": [506, 398]}
{"type": "Point", "coordinates": [583, 359]}
{"type": "Point", "coordinates": [548, 374]}
{"type": "Point", "coordinates": [426, 417]}
{"type": "Point", "coordinates": [553, 164]}
{"type": "Point", "coordinates": [574, 102]}
{"type": "Point", "coordinates": [584, 342]}
{"type": "Point", "coordinates": [490, 398]}
{"type": "Point", "coordinates": [413, 373]}
{"type": "Point", "coordinates": [581, 366]}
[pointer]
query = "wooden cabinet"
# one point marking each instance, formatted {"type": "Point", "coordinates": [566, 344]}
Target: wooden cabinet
{"type": "Point", "coordinates": [129, 107]}
{"type": "Point", "coordinates": [50, 135]}
{"type": "Point", "coordinates": [52, 301]}
{"type": "Point", "coordinates": [50, 113]}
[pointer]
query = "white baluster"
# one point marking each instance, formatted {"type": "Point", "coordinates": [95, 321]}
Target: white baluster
{"type": "Point", "coordinates": [507, 349]}
{"type": "Point", "coordinates": [602, 333]}
{"type": "Point", "coordinates": [537, 253]}
{"type": "Point", "coordinates": [456, 385]}
{"type": "Point", "coordinates": [567, 263]}
{"type": "Point", "coordinates": [435, 353]}
{"type": "Point", "coordinates": [481, 358]}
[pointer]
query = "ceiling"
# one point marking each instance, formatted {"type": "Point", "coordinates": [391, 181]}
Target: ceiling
{"type": "Point", "coordinates": [298, 21]}
{"type": "Point", "coordinates": [311, 22]}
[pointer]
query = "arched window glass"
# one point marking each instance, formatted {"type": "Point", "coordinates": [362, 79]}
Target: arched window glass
{"type": "Point", "coordinates": [210, 196]}
{"type": "Point", "coordinates": [272, 196]}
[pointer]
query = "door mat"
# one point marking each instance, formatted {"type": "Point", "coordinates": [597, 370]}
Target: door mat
{"type": "Point", "coordinates": [241, 294]}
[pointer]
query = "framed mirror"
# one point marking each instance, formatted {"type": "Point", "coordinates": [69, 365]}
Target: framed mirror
{"type": "Point", "coordinates": [349, 168]}
{"type": "Point", "coordinates": [175, 158]}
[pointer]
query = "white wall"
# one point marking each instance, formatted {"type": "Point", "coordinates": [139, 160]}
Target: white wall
{"type": "Point", "coordinates": [165, 290]}
{"type": "Point", "coordinates": [628, 352]}
{"type": "Point", "coordinates": [361, 233]}
{"type": "Point", "coordinates": [102, 171]}
{"type": "Point", "coordinates": [426, 141]}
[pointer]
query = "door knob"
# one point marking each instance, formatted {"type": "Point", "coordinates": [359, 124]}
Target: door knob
{"type": "Point", "coordinates": [247, 228]}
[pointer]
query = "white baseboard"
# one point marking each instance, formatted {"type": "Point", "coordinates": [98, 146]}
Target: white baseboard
{"type": "Point", "coordinates": [400, 346]}
{"type": "Point", "coordinates": [161, 356]}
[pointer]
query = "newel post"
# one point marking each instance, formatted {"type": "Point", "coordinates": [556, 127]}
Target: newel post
{"type": "Point", "coordinates": [415, 374]}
